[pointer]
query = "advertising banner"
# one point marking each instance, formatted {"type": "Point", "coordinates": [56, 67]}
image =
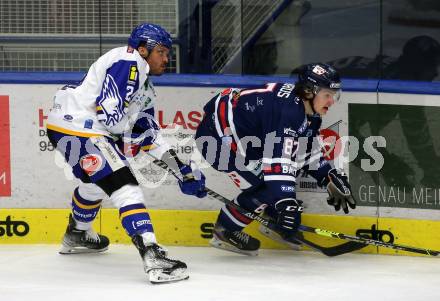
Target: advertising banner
{"type": "Point", "coordinates": [39, 178]}
{"type": "Point", "coordinates": [408, 178]}
{"type": "Point", "coordinates": [5, 157]}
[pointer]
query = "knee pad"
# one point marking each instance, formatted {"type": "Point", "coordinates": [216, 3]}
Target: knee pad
{"type": "Point", "coordinates": [90, 191]}
{"type": "Point", "coordinates": [127, 195]}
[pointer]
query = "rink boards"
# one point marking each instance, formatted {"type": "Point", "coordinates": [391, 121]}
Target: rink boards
{"type": "Point", "coordinates": [194, 228]}
{"type": "Point", "coordinates": [36, 186]}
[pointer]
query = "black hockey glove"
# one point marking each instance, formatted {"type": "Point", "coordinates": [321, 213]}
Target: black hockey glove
{"type": "Point", "coordinates": [339, 191]}
{"type": "Point", "coordinates": [289, 214]}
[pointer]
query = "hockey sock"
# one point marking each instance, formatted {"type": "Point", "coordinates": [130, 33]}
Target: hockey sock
{"type": "Point", "coordinates": [84, 211]}
{"type": "Point", "coordinates": [232, 220]}
{"type": "Point", "coordinates": [135, 219]}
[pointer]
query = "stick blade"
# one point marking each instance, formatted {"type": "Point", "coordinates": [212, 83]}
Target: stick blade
{"type": "Point", "coordinates": [337, 250]}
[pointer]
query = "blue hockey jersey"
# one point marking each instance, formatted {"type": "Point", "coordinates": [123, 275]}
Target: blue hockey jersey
{"type": "Point", "coordinates": [269, 125]}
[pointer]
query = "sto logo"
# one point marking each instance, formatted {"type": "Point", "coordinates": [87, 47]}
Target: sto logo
{"type": "Point", "coordinates": [91, 163]}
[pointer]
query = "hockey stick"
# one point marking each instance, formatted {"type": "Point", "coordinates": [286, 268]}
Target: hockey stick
{"type": "Point", "coordinates": [358, 242]}
{"type": "Point", "coordinates": [368, 241]}
{"type": "Point", "coordinates": [329, 251]}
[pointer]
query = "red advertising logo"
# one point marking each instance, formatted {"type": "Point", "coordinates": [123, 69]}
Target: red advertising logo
{"type": "Point", "coordinates": [331, 143]}
{"type": "Point", "coordinates": [91, 163]}
{"type": "Point", "coordinates": [185, 121]}
{"type": "Point", "coordinates": [5, 151]}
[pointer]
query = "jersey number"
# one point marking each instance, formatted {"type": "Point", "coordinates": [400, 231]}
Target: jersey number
{"type": "Point", "coordinates": [290, 147]}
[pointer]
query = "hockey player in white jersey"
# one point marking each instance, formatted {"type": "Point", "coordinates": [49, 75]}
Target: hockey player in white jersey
{"type": "Point", "coordinates": [96, 124]}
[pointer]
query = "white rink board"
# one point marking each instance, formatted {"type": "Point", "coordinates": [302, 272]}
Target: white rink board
{"type": "Point", "coordinates": [37, 182]}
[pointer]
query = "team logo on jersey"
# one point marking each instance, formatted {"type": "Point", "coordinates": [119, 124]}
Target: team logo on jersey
{"type": "Point", "coordinates": [91, 163]}
{"type": "Point", "coordinates": [110, 102]}
{"type": "Point", "coordinates": [133, 74]}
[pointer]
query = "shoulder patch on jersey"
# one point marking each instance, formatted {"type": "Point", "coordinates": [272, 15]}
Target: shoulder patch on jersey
{"type": "Point", "coordinates": [133, 74]}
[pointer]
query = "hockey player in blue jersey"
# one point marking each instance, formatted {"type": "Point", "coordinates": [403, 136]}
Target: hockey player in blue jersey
{"type": "Point", "coordinates": [262, 137]}
{"type": "Point", "coordinates": [101, 121]}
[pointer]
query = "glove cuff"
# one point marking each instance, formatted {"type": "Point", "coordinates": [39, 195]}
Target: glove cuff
{"type": "Point", "coordinates": [326, 179]}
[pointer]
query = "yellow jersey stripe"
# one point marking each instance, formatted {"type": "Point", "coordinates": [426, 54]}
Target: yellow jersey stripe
{"type": "Point", "coordinates": [70, 132]}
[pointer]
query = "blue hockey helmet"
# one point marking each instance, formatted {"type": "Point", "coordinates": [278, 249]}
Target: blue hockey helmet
{"type": "Point", "coordinates": [315, 76]}
{"type": "Point", "coordinates": [150, 33]}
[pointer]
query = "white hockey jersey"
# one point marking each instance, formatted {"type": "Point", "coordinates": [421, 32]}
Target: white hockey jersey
{"type": "Point", "coordinates": [115, 96]}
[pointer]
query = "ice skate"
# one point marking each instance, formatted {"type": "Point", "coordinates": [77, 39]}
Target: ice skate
{"type": "Point", "coordinates": [275, 236]}
{"type": "Point", "coordinates": [80, 241]}
{"type": "Point", "coordinates": [236, 241]}
{"type": "Point", "coordinates": [157, 266]}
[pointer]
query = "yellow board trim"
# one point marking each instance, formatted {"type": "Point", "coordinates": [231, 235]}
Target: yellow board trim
{"type": "Point", "coordinates": [72, 133]}
{"type": "Point", "coordinates": [194, 228]}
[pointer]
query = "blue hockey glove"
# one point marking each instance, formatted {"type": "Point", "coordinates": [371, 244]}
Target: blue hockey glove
{"type": "Point", "coordinates": [339, 191]}
{"type": "Point", "coordinates": [289, 214]}
{"type": "Point", "coordinates": [193, 182]}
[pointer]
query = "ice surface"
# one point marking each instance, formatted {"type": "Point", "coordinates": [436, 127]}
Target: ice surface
{"type": "Point", "coordinates": [38, 272]}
